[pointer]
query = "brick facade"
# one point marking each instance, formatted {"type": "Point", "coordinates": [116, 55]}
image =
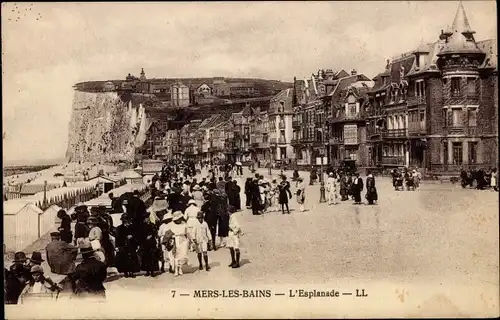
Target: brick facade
{"type": "Point", "coordinates": [434, 110]}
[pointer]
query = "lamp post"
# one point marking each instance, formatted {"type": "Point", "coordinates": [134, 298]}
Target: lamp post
{"type": "Point", "coordinates": [322, 197]}
{"type": "Point", "coordinates": [270, 160]}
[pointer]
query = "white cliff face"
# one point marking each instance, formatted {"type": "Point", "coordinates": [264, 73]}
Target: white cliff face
{"type": "Point", "coordinates": [103, 128]}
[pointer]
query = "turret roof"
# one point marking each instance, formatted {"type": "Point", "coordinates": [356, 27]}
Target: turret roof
{"type": "Point", "coordinates": [462, 40]}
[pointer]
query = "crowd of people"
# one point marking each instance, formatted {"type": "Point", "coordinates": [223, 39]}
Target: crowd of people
{"type": "Point", "coordinates": [480, 179]}
{"type": "Point", "coordinates": [185, 216]}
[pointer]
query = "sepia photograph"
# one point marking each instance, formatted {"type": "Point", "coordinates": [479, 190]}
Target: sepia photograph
{"type": "Point", "coordinates": [250, 160]}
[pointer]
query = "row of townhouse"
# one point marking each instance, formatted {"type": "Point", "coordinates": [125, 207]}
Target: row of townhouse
{"type": "Point", "coordinates": [253, 134]}
{"type": "Point", "coordinates": [434, 108]}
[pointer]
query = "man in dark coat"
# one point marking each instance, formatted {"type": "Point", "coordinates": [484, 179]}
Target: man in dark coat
{"type": "Point", "coordinates": [357, 187]}
{"type": "Point", "coordinates": [221, 185]}
{"type": "Point", "coordinates": [65, 227]}
{"type": "Point", "coordinates": [211, 216]}
{"type": "Point", "coordinates": [89, 275]}
{"type": "Point", "coordinates": [235, 198]}
{"type": "Point", "coordinates": [255, 197]}
{"type": "Point", "coordinates": [248, 193]}
{"type": "Point", "coordinates": [61, 255]}
{"type": "Point", "coordinates": [81, 228]}
{"type": "Point", "coordinates": [17, 278]}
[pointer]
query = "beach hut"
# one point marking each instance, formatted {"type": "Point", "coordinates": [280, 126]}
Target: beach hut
{"type": "Point", "coordinates": [132, 177]}
{"type": "Point", "coordinates": [21, 224]}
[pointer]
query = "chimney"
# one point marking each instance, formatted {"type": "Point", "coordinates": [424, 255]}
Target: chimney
{"type": "Point", "coordinates": [353, 72]}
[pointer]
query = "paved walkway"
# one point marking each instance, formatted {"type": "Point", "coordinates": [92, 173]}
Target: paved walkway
{"type": "Point", "coordinates": [432, 249]}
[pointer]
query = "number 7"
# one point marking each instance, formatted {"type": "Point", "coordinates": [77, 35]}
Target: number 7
{"type": "Point", "coordinates": [173, 293]}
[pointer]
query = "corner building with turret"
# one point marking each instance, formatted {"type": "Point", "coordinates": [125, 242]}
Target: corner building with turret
{"type": "Point", "coordinates": [436, 107]}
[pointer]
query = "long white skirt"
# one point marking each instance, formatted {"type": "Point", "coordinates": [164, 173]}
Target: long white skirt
{"type": "Point", "coordinates": [181, 249]}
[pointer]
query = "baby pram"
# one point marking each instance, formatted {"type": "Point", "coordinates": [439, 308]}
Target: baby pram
{"type": "Point", "coordinates": [398, 183]}
{"type": "Point", "coordinates": [410, 183]}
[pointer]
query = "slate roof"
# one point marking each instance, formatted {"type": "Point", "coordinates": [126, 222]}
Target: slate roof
{"type": "Point", "coordinates": [343, 83]}
{"type": "Point", "coordinates": [490, 48]}
{"type": "Point", "coordinates": [461, 30]}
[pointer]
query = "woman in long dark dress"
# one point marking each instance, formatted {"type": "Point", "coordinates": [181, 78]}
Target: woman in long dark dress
{"type": "Point", "coordinates": [371, 190]}
{"type": "Point", "coordinates": [127, 260]}
{"type": "Point", "coordinates": [236, 196]}
{"type": "Point", "coordinates": [65, 227]}
{"type": "Point", "coordinates": [223, 221]}
{"type": "Point", "coordinates": [149, 249]}
{"type": "Point", "coordinates": [284, 195]}
{"type": "Point", "coordinates": [248, 192]}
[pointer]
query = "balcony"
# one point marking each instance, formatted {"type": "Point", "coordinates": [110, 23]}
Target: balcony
{"type": "Point", "coordinates": [348, 117]}
{"type": "Point", "coordinates": [393, 161]}
{"type": "Point", "coordinates": [416, 101]}
{"type": "Point", "coordinates": [416, 128]}
{"type": "Point", "coordinates": [456, 130]}
{"type": "Point", "coordinates": [461, 99]}
{"type": "Point", "coordinates": [372, 133]}
{"type": "Point", "coordinates": [336, 141]}
{"type": "Point", "coordinates": [394, 133]}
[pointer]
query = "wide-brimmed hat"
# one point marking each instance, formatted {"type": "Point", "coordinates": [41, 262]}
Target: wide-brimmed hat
{"type": "Point", "coordinates": [196, 187]}
{"type": "Point", "coordinates": [92, 220]}
{"type": "Point", "coordinates": [86, 247]}
{"type": "Point", "coordinates": [20, 257]}
{"type": "Point", "coordinates": [177, 215]}
{"type": "Point", "coordinates": [36, 269]}
{"type": "Point", "coordinates": [36, 257]}
{"type": "Point", "coordinates": [331, 174]}
{"type": "Point", "coordinates": [168, 216]}
{"type": "Point", "coordinates": [190, 202]}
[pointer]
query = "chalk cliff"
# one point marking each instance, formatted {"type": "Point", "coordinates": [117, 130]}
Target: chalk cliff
{"type": "Point", "coordinates": [106, 127]}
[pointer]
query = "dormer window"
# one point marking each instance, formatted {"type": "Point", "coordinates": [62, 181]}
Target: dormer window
{"type": "Point", "coordinates": [417, 61]}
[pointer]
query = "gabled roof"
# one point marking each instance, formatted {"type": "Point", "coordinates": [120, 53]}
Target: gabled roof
{"type": "Point", "coordinates": [103, 177]}
{"type": "Point", "coordinates": [343, 83]}
{"type": "Point", "coordinates": [36, 188]}
{"type": "Point", "coordinates": [283, 94]}
{"type": "Point", "coordinates": [12, 207]}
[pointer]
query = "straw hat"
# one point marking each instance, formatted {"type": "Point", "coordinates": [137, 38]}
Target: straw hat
{"type": "Point", "coordinates": [177, 215]}
{"type": "Point", "coordinates": [196, 188]}
{"type": "Point", "coordinates": [86, 247]}
{"type": "Point", "coordinates": [168, 216]}
{"type": "Point", "coordinates": [190, 202]}
{"type": "Point", "coordinates": [36, 269]}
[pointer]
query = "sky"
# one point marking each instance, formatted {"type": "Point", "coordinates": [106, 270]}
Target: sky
{"type": "Point", "coordinates": [48, 47]}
